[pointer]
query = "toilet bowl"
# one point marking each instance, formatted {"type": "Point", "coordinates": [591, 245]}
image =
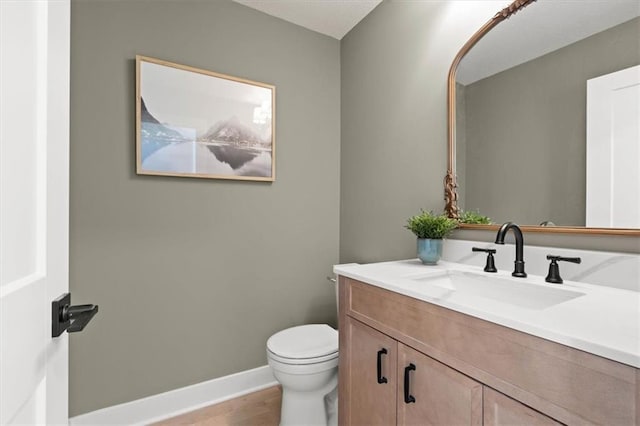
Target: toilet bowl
{"type": "Point", "coordinates": [304, 360]}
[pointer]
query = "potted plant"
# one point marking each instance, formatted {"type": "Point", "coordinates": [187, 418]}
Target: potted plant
{"type": "Point", "coordinates": [430, 229]}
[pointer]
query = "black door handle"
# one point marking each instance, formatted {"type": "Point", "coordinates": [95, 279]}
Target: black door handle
{"type": "Point", "coordinates": [408, 399]}
{"type": "Point", "coordinates": [70, 318]}
{"type": "Point", "coordinates": [381, 378]}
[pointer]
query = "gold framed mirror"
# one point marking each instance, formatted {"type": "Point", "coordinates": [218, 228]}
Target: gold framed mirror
{"type": "Point", "coordinates": [564, 149]}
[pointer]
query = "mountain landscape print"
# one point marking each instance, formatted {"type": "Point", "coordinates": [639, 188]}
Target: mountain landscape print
{"type": "Point", "coordinates": [198, 123]}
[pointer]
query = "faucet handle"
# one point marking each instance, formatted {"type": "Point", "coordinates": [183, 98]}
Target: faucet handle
{"type": "Point", "coordinates": [484, 250]}
{"type": "Point", "coordinates": [564, 259]}
{"type": "Point", "coordinates": [491, 264]}
{"type": "Point", "coordinates": [554, 270]}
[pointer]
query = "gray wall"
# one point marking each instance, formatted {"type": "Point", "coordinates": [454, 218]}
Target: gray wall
{"type": "Point", "coordinates": [193, 275]}
{"type": "Point", "coordinates": [393, 161]}
{"type": "Point", "coordinates": [394, 123]}
{"type": "Point", "coordinates": [526, 130]}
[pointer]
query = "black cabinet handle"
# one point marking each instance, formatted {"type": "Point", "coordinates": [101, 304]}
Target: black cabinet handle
{"type": "Point", "coordinates": [408, 399]}
{"type": "Point", "coordinates": [381, 379]}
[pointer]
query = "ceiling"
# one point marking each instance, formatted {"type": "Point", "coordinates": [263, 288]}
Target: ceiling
{"type": "Point", "coordinates": [334, 18]}
{"type": "Point", "coordinates": [542, 27]}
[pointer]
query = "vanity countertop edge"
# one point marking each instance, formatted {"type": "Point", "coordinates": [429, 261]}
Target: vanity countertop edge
{"type": "Point", "coordinates": [603, 321]}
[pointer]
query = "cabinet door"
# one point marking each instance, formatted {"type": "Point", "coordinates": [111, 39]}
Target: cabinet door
{"type": "Point", "coordinates": [435, 394]}
{"type": "Point", "coordinates": [500, 410]}
{"type": "Point", "coordinates": [366, 397]}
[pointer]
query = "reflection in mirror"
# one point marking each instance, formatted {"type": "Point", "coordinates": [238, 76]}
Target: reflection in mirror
{"type": "Point", "coordinates": [526, 149]}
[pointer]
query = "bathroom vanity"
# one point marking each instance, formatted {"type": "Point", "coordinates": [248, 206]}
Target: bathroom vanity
{"type": "Point", "coordinates": [450, 344]}
{"type": "Point", "coordinates": [453, 345]}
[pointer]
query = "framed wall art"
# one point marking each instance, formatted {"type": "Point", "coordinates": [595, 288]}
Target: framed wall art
{"type": "Point", "coordinates": [196, 123]}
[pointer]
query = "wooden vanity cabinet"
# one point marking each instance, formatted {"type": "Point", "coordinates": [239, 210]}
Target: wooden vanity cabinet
{"type": "Point", "coordinates": [500, 410]}
{"type": "Point", "coordinates": [372, 398]}
{"type": "Point", "coordinates": [408, 388]}
{"type": "Point", "coordinates": [441, 395]}
{"type": "Point", "coordinates": [467, 371]}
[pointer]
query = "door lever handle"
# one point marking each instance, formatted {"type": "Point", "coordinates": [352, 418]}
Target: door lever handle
{"type": "Point", "coordinates": [79, 315]}
{"type": "Point", "coordinates": [69, 318]}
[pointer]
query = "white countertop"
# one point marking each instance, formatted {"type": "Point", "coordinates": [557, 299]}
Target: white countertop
{"type": "Point", "coordinates": [603, 321]}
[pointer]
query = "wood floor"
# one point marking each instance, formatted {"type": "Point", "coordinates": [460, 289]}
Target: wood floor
{"type": "Point", "coordinates": [260, 408]}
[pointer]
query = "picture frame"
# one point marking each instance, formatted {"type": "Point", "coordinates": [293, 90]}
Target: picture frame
{"type": "Point", "coordinates": [196, 123]}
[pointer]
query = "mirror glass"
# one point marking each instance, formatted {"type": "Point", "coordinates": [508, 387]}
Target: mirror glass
{"type": "Point", "coordinates": [548, 117]}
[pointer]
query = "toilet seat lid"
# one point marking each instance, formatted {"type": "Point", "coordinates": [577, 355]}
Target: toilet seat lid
{"type": "Point", "coordinates": [304, 341]}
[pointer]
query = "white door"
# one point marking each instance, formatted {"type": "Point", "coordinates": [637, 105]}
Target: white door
{"type": "Point", "coordinates": [613, 150]}
{"type": "Point", "coordinates": [34, 198]}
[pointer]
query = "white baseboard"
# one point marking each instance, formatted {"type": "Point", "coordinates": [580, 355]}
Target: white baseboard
{"type": "Point", "coordinates": [178, 401]}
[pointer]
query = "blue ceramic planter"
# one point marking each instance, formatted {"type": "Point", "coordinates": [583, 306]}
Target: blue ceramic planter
{"type": "Point", "coordinates": [429, 251]}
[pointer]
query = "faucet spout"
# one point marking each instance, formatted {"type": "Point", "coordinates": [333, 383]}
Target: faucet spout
{"type": "Point", "coordinates": [518, 270]}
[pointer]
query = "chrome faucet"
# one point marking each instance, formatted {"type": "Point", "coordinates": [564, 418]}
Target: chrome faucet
{"type": "Point", "coordinates": [518, 270]}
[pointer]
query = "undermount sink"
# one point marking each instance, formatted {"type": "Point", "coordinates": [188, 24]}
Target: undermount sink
{"type": "Point", "coordinates": [501, 289]}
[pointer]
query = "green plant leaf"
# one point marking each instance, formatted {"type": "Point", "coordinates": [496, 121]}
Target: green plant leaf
{"type": "Point", "coordinates": [429, 225]}
{"type": "Point", "coordinates": [474, 218]}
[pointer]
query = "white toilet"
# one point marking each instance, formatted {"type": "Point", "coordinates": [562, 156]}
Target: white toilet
{"type": "Point", "coordinates": [304, 360]}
